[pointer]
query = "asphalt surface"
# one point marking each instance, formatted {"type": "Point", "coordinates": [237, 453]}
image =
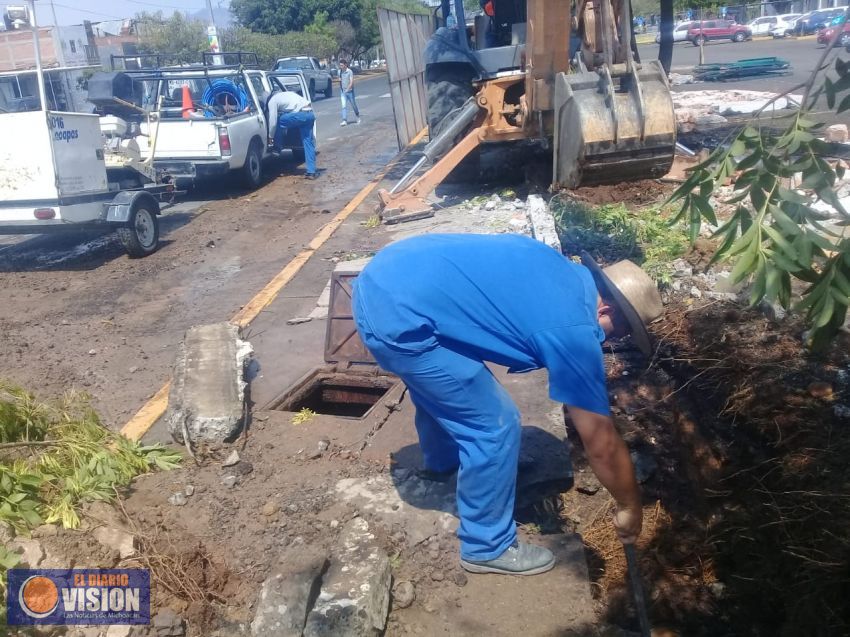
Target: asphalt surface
{"type": "Point", "coordinates": [802, 53]}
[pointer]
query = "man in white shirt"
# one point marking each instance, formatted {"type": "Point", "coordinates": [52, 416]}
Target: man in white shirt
{"type": "Point", "coordinates": [346, 92]}
{"type": "Point", "coordinates": [290, 110]}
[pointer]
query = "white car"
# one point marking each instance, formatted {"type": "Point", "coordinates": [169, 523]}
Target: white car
{"type": "Point", "coordinates": [680, 33]}
{"type": "Point", "coordinates": [785, 24]}
{"type": "Point", "coordinates": [763, 25]}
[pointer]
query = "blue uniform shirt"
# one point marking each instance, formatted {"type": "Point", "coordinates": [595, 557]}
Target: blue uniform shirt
{"type": "Point", "coordinates": [507, 299]}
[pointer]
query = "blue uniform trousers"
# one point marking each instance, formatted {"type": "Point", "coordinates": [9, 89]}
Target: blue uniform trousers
{"type": "Point", "coordinates": [303, 121]}
{"type": "Point", "coordinates": [465, 419]}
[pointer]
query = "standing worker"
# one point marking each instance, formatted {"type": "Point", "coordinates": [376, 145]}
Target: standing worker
{"type": "Point", "coordinates": [346, 92]}
{"type": "Point", "coordinates": [433, 309]}
{"type": "Point", "coordinates": [291, 110]}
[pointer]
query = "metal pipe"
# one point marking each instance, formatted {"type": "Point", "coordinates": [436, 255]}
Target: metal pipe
{"type": "Point", "coordinates": [39, 72]}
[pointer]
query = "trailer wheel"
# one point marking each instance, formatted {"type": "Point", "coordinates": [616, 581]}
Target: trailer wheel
{"type": "Point", "coordinates": [140, 236]}
{"type": "Point", "coordinates": [448, 86]}
{"type": "Point", "coordinates": [252, 170]}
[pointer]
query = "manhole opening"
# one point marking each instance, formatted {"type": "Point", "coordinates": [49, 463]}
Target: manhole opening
{"type": "Point", "coordinates": [336, 394]}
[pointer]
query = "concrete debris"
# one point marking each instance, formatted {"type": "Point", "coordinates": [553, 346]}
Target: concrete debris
{"type": "Point", "coordinates": [677, 79]}
{"type": "Point", "coordinates": [7, 533]}
{"type": "Point", "coordinates": [167, 623]}
{"type": "Point", "coordinates": [404, 593]}
{"type": "Point", "coordinates": [490, 205]}
{"type": "Point", "coordinates": [588, 484]}
{"type": "Point", "coordinates": [837, 133]}
{"type": "Point", "coordinates": [177, 499]}
{"type": "Point", "coordinates": [682, 268]}
{"type": "Point", "coordinates": [45, 530]}
{"type": "Point", "coordinates": [749, 107]}
{"type": "Point", "coordinates": [189, 490]}
{"type": "Point", "coordinates": [286, 595]}
{"type": "Point", "coordinates": [423, 508]}
{"type": "Point", "coordinates": [543, 222]}
{"type": "Point", "coordinates": [323, 303]}
{"type": "Point", "coordinates": [207, 397]}
{"type": "Point", "coordinates": [698, 110]}
{"type": "Point", "coordinates": [355, 594]}
{"type": "Point", "coordinates": [229, 481]}
{"type": "Point", "coordinates": [117, 540]}
{"type": "Point", "coordinates": [31, 552]}
{"type": "Point", "coordinates": [695, 292]}
{"type": "Point", "coordinates": [298, 320]}
{"type": "Point", "coordinates": [232, 459]}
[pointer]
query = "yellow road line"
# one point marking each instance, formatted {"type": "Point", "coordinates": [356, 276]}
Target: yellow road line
{"type": "Point", "coordinates": [153, 410]}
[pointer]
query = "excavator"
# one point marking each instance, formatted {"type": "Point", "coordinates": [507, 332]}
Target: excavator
{"type": "Point", "coordinates": [558, 73]}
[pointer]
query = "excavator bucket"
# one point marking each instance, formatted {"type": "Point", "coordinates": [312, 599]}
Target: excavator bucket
{"type": "Point", "coordinates": [613, 127]}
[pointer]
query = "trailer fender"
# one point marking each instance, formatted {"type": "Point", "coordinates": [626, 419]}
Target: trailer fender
{"type": "Point", "coordinates": [119, 209]}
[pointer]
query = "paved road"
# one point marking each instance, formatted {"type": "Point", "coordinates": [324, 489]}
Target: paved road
{"type": "Point", "coordinates": [374, 102]}
{"type": "Point", "coordinates": [803, 54]}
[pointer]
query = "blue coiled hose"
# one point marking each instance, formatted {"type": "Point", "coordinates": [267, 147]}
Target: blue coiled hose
{"type": "Point", "coordinates": [223, 93]}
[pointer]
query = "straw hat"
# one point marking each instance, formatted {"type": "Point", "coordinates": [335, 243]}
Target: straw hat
{"type": "Point", "coordinates": [633, 292]}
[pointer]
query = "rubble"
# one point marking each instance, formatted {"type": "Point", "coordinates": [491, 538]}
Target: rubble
{"type": "Point", "coordinates": [355, 594]}
{"type": "Point", "coordinates": [207, 397]}
{"type": "Point", "coordinates": [542, 222]}
{"type": "Point", "coordinates": [31, 552]}
{"type": "Point", "coordinates": [699, 110]}
{"type": "Point", "coordinates": [231, 459]}
{"type": "Point", "coordinates": [167, 623]}
{"type": "Point", "coordinates": [285, 596]}
{"type": "Point", "coordinates": [404, 593]}
{"type": "Point", "coordinates": [837, 133]}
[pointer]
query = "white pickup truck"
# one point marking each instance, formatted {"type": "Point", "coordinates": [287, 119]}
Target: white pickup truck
{"type": "Point", "coordinates": [227, 129]}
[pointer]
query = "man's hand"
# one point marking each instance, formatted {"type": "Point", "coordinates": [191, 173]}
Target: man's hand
{"type": "Point", "coordinates": [627, 523]}
{"type": "Point", "coordinates": [609, 458]}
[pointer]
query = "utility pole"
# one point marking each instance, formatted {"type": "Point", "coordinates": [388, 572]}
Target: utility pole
{"type": "Point", "coordinates": [53, 11]}
{"type": "Point", "coordinates": [212, 35]}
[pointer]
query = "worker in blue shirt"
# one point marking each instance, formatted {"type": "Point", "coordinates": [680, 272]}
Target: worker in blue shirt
{"type": "Point", "coordinates": [433, 309]}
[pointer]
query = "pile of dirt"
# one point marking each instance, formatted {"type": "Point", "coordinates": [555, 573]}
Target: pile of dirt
{"type": "Point", "coordinates": [740, 437]}
{"type": "Point", "coordinates": [633, 194]}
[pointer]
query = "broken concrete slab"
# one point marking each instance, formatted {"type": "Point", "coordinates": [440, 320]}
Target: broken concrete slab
{"type": "Point", "coordinates": [287, 595]}
{"type": "Point", "coordinates": [355, 596]}
{"type": "Point", "coordinates": [422, 508]}
{"type": "Point", "coordinates": [542, 222]}
{"type": "Point", "coordinates": [207, 397]}
{"type": "Point", "coordinates": [31, 552]}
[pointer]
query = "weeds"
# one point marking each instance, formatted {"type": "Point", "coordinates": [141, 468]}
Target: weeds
{"type": "Point", "coordinates": [612, 232]}
{"type": "Point", "coordinates": [372, 222]}
{"type": "Point", "coordinates": [53, 457]}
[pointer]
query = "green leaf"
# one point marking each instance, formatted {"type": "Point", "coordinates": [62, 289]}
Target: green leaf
{"type": "Point", "coordinates": [782, 242]}
{"type": "Point", "coordinates": [757, 293]}
{"type": "Point", "coordinates": [737, 148]}
{"type": "Point", "coordinates": [829, 88]}
{"type": "Point", "coordinates": [825, 313]}
{"type": "Point", "coordinates": [773, 282]}
{"type": "Point", "coordinates": [750, 132]}
{"type": "Point", "coordinates": [745, 265]}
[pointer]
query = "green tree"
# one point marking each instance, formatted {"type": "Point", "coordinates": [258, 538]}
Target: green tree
{"type": "Point", "coordinates": [177, 36]}
{"type": "Point", "coordinates": [282, 16]}
{"type": "Point", "coordinates": [789, 224]}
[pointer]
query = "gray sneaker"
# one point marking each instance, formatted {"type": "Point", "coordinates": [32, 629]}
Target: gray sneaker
{"type": "Point", "coordinates": [522, 559]}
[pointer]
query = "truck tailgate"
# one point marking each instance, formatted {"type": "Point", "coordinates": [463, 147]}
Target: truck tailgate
{"type": "Point", "coordinates": [183, 139]}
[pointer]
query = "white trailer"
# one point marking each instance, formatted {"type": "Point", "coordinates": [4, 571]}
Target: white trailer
{"type": "Point", "coordinates": [54, 178]}
{"type": "Point", "coordinates": [54, 175]}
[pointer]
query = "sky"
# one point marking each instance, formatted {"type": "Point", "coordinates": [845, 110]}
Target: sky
{"type": "Point", "coordinates": [75, 11]}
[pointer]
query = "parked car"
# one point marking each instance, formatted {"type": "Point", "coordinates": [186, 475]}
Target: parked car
{"type": "Point", "coordinates": [825, 35]}
{"type": "Point", "coordinates": [784, 25]}
{"type": "Point", "coordinates": [816, 20]}
{"type": "Point", "coordinates": [700, 32]}
{"type": "Point", "coordinates": [318, 78]}
{"type": "Point", "coordinates": [763, 25]}
{"type": "Point", "coordinates": [680, 33]}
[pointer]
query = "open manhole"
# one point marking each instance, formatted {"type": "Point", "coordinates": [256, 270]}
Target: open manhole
{"type": "Point", "coordinates": [334, 393]}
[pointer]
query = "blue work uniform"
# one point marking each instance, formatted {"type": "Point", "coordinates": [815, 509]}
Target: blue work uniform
{"type": "Point", "coordinates": [434, 308]}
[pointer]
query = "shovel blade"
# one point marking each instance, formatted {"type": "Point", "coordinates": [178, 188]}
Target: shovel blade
{"type": "Point", "coordinates": [611, 132]}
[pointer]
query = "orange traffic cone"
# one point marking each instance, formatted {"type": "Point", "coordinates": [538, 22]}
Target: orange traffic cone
{"type": "Point", "coordinates": [188, 107]}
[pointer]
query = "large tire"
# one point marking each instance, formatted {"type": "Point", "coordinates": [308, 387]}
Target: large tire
{"type": "Point", "coordinates": [740, 36]}
{"type": "Point", "coordinates": [251, 173]}
{"type": "Point", "coordinates": [312, 90]}
{"type": "Point", "coordinates": [329, 89]}
{"type": "Point", "coordinates": [140, 236]}
{"type": "Point", "coordinates": [844, 40]}
{"type": "Point", "coordinates": [448, 86]}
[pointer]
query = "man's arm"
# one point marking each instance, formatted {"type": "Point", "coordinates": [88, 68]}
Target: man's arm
{"type": "Point", "coordinates": [609, 458]}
